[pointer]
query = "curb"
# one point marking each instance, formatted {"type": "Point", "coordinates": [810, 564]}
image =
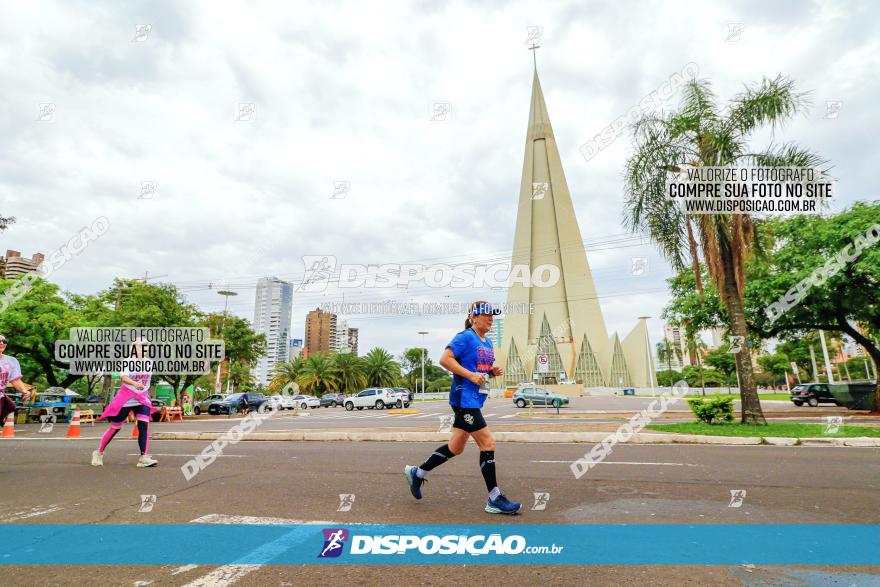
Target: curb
{"type": "Point", "coordinates": [526, 437]}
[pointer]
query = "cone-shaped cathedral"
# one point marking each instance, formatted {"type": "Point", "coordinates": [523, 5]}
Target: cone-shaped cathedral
{"type": "Point", "coordinates": [566, 329]}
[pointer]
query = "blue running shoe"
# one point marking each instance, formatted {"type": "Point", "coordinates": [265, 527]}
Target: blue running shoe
{"type": "Point", "coordinates": [501, 505]}
{"type": "Point", "coordinates": [415, 482]}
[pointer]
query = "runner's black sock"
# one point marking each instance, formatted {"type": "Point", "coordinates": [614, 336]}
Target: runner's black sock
{"type": "Point", "coordinates": [487, 468]}
{"type": "Point", "coordinates": [437, 458]}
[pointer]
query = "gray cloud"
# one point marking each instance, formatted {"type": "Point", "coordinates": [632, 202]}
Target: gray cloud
{"type": "Point", "coordinates": [343, 92]}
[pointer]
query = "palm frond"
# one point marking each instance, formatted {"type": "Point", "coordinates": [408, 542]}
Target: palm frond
{"type": "Point", "coordinates": [772, 102]}
{"type": "Point", "coordinates": [786, 155]}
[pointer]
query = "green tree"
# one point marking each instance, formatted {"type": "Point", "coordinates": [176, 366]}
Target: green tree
{"type": "Point", "coordinates": [668, 377]}
{"type": "Point", "coordinates": [723, 361]}
{"type": "Point", "coordinates": [411, 365]}
{"type": "Point", "coordinates": [33, 323]}
{"type": "Point", "coordinates": [843, 298]}
{"type": "Point", "coordinates": [349, 373]}
{"type": "Point", "coordinates": [242, 345]}
{"type": "Point", "coordinates": [380, 368]}
{"type": "Point", "coordinates": [708, 377]}
{"type": "Point", "coordinates": [284, 374]}
{"type": "Point", "coordinates": [778, 364]}
{"type": "Point", "coordinates": [239, 375]}
{"type": "Point", "coordinates": [318, 375]}
{"type": "Point", "coordinates": [439, 384]}
{"type": "Point", "coordinates": [798, 350]}
{"type": "Point", "coordinates": [699, 134]}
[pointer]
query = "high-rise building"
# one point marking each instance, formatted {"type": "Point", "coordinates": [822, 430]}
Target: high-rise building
{"type": "Point", "coordinates": [675, 336]}
{"type": "Point", "coordinates": [13, 264]}
{"type": "Point", "coordinates": [353, 340]}
{"type": "Point", "coordinates": [346, 339]}
{"type": "Point", "coordinates": [565, 339]}
{"type": "Point", "coordinates": [272, 309]}
{"type": "Point", "coordinates": [320, 332]}
{"type": "Point", "coordinates": [496, 332]}
{"type": "Point", "coordinates": [296, 348]}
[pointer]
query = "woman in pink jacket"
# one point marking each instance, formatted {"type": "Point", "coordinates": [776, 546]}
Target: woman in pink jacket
{"type": "Point", "coordinates": [133, 396]}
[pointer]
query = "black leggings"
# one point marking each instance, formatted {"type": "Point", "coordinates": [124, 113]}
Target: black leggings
{"type": "Point", "coordinates": [142, 425]}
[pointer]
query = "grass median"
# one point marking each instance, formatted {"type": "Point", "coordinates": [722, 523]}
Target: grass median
{"type": "Point", "coordinates": [774, 429]}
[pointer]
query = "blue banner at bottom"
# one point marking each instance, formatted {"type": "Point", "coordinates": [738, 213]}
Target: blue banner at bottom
{"type": "Point", "coordinates": [379, 544]}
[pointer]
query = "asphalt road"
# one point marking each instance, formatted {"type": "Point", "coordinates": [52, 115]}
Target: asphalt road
{"type": "Point", "coordinates": [50, 481]}
{"type": "Point", "coordinates": [497, 411]}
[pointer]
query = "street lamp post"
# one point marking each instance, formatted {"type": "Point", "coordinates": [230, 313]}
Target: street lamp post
{"type": "Point", "coordinates": [424, 350]}
{"type": "Point", "coordinates": [226, 294]}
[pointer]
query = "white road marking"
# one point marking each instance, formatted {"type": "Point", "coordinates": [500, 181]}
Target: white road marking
{"type": "Point", "coordinates": [627, 463]}
{"type": "Point", "coordinates": [223, 576]}
{"type": "Point", "coordinates": [33, 512]}
{"type": "Point", "coordinates": [184, 569]}
{"type": "Point", "coordinates": [428, 416]}
{"type": "Point", "coordinates": [162, 454]}
{"type": "Point", "coordinates": [509, 416]}
{"type": "Point", "coordinates": [224, 519]}
{"type": "Point", "coordinates": [487, 415]}
{"type": "Point", "coordinates": [228, 574]}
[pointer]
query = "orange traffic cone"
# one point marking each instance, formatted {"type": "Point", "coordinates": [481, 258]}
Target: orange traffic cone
{"type": "Point", "coordinates": [9, 427]}
{"type": "Point", "coordinates": [73, 426]}
{"type": "Point", "coordinates": [134, 431]}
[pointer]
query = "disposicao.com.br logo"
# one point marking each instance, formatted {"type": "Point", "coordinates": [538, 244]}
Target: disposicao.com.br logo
{"type": "Point", "coordinates": [450, 544]}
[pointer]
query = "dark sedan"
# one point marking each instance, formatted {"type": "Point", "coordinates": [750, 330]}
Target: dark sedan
{"type": "Point", "coordinates": [331, 400]}
{"type": "Point", "coordinates": [234, 403]}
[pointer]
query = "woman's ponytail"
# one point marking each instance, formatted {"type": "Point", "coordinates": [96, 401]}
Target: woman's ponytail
{"type": "Point", "coordinates": [467, 323]}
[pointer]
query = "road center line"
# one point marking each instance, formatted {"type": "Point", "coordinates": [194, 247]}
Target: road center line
{"type": "Point", "coordinates": [626, 463]}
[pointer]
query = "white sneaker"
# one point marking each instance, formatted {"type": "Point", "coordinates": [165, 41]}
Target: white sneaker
{"type": "Point", "coordinates": [147, 461]}
{"type": "Point", "coordinates": [97, 459]}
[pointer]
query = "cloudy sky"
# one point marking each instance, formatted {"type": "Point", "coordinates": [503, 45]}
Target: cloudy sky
{"type": "Point", "coordinates": [345, 92]}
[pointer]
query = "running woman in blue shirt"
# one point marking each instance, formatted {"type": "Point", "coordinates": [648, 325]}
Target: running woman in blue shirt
{"type": "Point", "coordinates": [470, 358]}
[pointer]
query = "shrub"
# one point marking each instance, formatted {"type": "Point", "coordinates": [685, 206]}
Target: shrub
{"type": "Point", "coordinates": [716, 409]}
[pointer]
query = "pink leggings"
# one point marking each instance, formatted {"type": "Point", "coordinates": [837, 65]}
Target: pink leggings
{"type": "Point", "coordinates": [143, 425]}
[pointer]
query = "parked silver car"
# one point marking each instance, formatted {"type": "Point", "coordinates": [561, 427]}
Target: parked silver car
{"type": "Point", "coordinates": [202, 406]}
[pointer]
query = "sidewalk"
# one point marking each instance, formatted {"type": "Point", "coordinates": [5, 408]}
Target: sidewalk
{"type": "Point", "coordinates": [526, 434]}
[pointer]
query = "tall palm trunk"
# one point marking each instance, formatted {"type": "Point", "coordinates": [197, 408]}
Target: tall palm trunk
{"type": "Point", "coordinates": [748, 391]}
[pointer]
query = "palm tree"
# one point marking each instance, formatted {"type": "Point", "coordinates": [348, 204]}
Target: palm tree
{"type": "Point", "coordinates": [350, 373]}
{"type": "Point", "coordinates": [700, 134]}
{"type": "Point", "coordinates": [284, 374]}
{"type": "Point", "coordinates": [380, 368]}
{"type": "Point", "coordinates": [318, 375]}
{"type": "Point", "coordinates": [240, 375]}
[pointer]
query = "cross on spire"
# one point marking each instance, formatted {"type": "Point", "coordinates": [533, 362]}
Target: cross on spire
{"type": "Point", "coordinates": [534, 48]}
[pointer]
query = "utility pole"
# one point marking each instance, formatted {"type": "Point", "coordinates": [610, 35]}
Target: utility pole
{"type": "Point", "coordinates": [813, 361]}
{"type": "Point", "coordinates": [424, 350]}
{"type": "Point", "coordinates": [668, 356]}
{"type": "Point", "coordinates": [226, 294]}
{"type": "Point", "coordinates": [650, 362]}
{"type": "Point", "coordinates": [825, 356]}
